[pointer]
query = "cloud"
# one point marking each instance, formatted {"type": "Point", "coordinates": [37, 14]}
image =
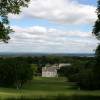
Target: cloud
{"type": "Point", "coordinates": [59, 11]}
{"type": "Point", "coordinates": [42, 39]}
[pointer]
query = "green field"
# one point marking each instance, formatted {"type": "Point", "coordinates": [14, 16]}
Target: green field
{"type": "Point", "coordinates": [44, 87]}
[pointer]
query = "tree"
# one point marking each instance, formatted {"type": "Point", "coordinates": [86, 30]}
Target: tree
{"type": "Point", "coordinates": [6, 73]}
{"type": "Point", "coordinates": [15, 72]}
{"type": "Point", "coordinates": [7, 7]}
{"type": "Point", "coordinates": [96, 31]}
{"type": "Point", "coordinates": [96, 69]}
{"type": "Point", "coordinates": [34, 69]}
{"type": "Point", "coordinates": [85, 79]}
{"type": "Point", "coordinates": [23, 73]}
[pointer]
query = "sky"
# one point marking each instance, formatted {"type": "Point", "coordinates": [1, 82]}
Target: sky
{"type": "Point", "coordinates": [53, 26]}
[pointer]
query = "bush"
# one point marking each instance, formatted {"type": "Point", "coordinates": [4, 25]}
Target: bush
{"type": "Point", "coordinates": [86, 79]}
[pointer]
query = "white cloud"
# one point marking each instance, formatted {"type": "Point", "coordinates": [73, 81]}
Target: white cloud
{"type": "Point", "coordinates": [42, 39]}
{"type": "Point", "coordinates": [59, 11]}
{"type": "Point", "coordinates": [50, 40]}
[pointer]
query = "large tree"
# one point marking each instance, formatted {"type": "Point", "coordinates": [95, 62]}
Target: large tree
{"type": "Point", "coordinates": [96, 31]}
{"type": "Point", "coordinates": [15, 72]}
{"type": "Point", "coordinates": [7, 7]}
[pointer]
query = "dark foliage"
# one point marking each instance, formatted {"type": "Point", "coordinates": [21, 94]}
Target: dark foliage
{"type": "Point", "coordinates": [14, 72]}
{"type": "Point", "coordinates": [6, 7]}
{"type": "Point", "coordinates": [96, 29]}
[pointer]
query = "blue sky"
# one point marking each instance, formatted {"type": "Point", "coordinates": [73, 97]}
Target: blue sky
{"type": "Point", "coordinates": [89, 2]}
{"type": "Point", "coordinates": [53, 26]}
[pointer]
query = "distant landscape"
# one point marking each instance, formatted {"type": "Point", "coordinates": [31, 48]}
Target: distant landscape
{"type": "Point", "coordinates": [16, 54]}
{"type": "Point", "coordinates": [49, 50]}
{"type": "Point", "coordinates": [24, 78]}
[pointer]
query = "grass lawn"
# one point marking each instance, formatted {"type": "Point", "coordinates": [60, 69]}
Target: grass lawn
{"type": "Point", "coordinates": [42, 87]}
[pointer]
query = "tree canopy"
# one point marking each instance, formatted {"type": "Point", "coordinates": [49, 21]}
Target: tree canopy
{"type": "Point", "coordinates": [7, 7]}
{"type": "Point", "coordinates": [15, 72]}
{"type": "Point", "coordinates": [96, 29]}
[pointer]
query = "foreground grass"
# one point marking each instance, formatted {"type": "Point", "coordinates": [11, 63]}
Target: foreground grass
{"type": "Point", "coordinates": [47, 89]}
{"type": "Point", "coordinates": [60, 98]}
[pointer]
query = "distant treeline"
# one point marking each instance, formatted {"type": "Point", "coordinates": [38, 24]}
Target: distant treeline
{"type": "Point", "coordinates": [21, 54]}
{"type": "Point", "coordinates": [50, 59]}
